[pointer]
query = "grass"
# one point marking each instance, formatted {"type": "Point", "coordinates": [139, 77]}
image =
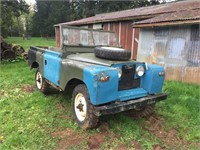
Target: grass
{"type": "Point", "coordinates": [34, 41]}
{"type": "Point", "coordinates": [29, 118]}
{"type": "Point", "coordinates": [182, 109]}
{"type": "Point", "coordinates": [24, 115]}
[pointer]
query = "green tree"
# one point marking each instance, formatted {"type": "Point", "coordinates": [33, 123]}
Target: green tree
{"type": "Point", "coordinates": [11, 10]}
{"type": "Point", "coordinates": [49, 13]}
{"type": "Point", "coordinates": [6, 18]}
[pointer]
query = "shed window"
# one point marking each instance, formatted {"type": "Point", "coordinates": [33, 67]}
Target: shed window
{"type": "Point", "coordinates": [194, 32]}
{"type": "Point", "coordinates": [98, 26]}
{"type": "Point", "coordinates": [161, 31]}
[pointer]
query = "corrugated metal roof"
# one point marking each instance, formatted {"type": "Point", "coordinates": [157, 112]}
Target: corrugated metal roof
{"type": "Point", "coordinates": [187, 16]}
{"type": "Point", "coordinates": [137, 13]}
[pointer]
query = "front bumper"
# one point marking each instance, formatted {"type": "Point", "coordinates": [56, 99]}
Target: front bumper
{"type": "Point", "coordinates": [120, 106]}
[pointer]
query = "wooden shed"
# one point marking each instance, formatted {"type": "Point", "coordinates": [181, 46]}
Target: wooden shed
{"type": "Point", "coordinates": [144, 26]}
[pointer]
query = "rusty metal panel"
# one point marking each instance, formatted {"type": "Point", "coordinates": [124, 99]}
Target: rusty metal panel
{"type": "Point", "coordinates": [126, 33]}
{"type": "Point", "coordinates": [129, 36]}
{"type": "Point", "coordinates": [123, 34]}
{"type": "Point", "coordinates": [192, 75]}
{"type": "Point", "coordinates": [111, 26]}
{"type": "Point", "coordinates": [135, 42]}
{"type": "Point", "coordinates": [145, 45]}
{"type": "Point", "coordinates": [194, 47]}
{"type": "Point", "coordinates": [105, 26]}
{"type": "Point", "coordinates": [116, 28]}
{"type": "Point", "coordinates": [57, 30]}
{"type": "Point", "coordinates": [177, 48]}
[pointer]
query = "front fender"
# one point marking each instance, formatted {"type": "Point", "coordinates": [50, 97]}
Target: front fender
{"type": "Point", "coordinates": [152, 82]}
{"type": "Point", "coordinates": [101, 92]}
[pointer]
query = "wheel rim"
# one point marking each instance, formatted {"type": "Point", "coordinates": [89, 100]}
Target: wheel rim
{"type": "Point", "coordinates": [80, 107]}
{"type": "Point", "coordinates": [38, 80]}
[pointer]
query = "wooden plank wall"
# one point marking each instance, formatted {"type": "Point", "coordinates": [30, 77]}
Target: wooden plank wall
{"type": "Point", "coordinates": [124, 31]}
{"type": "Point", "coordinates": [57, 32]}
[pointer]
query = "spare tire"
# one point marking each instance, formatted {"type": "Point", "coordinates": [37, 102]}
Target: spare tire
{"type": "Point", "coordinates": [112, 53]}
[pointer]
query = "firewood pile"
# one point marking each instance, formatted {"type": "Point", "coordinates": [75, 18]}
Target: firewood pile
{"type": "Point", "coordinates": [12, 51]}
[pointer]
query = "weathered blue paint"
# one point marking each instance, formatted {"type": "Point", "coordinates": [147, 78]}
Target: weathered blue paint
{"type": "Point", "coordinates": [101, 92]}
{"type": "Point", "coordinates": [151, 81]}
{"type": "Point", "coordinates": [51, 64]}
{"type": "Point", "coordinates": [104, 92]}
{"type": "Point", "coordinates": [131, 94]}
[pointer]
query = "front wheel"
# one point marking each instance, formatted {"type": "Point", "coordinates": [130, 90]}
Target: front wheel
{"type": "Point", "coordinates": [82, 108]}
{"type": "Point", "coordinates": [142, 112]}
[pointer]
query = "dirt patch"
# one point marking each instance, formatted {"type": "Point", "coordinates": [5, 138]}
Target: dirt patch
{"type": "Point", "coordinates": [136, 145]}
{"type": "Point", "coordinates": [68, 138]}
{"type": "Point", "coordinates": [93, 141]}
{"type": "Point", "coordinates": [157, 147]}
{"type": "Point", "coordinates": [122, 147]}
{"type": "Point", "coordinates": [155, 125]}
{"type": "Point", "coordinates": [1, 92]}
{"type": "Point", "coordinates": [28, 88]}
{"type": "Point", "coordinates": [103, 126]}
{"type": "Point", "coordinates": [96, 141]}
{"type": "Point", "coordinates": [86, 140]}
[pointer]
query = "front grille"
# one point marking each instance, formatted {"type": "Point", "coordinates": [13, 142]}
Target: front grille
{"type": "Point", "coordinates": [127, 79]}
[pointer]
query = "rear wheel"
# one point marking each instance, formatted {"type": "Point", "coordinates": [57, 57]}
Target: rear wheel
{"type": "Point", "coordinates": [41, 83]}
{"type": "Point", "coordinates": [142, 112]}
{"type": "Point", "coordinates": [82, 108]}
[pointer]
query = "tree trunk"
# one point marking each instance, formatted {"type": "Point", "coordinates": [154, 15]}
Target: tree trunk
{"type": "Point", "coordinates": [19, 32]}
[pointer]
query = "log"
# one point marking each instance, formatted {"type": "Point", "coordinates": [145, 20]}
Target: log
{"type": "Point", "coordinates": [8, 54]}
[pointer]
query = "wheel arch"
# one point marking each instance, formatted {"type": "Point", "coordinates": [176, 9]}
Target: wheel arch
{"type": "Point", "coordinates": [72, 83]}
{"type": "Point", "coordinates": [34, 64]}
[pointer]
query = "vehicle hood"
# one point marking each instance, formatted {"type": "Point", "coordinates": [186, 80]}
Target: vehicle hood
{"type": "Point", "coordinates": [91, 58]}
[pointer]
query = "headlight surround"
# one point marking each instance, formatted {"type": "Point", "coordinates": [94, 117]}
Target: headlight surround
{"type": "Point", "coordinates": [140, 71]}
{"type": "Point", "coordinates": [119, 72]}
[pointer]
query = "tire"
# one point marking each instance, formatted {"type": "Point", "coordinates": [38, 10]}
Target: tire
{"type": "Point", "coordinates": [143, 112]}
{"type": "Point", "coordinates": [112, 53]}
{"type": "Point", "coordinates": [41, 83]}
{"type": "Point", "coordinates": [82, 108]}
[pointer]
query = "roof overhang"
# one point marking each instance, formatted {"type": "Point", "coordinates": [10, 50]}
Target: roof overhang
{"type": "Point", "coordinates": [167, 23]}
{"type": "Point", "coordinates": [74, 23]}
{"type": "Point", "coordinates": [174, 18]}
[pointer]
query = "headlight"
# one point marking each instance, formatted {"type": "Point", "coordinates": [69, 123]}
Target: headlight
{"type": "Point", "coordinates": [119, 72]}
{"type": "Point", "coordinates": [140, 71]}
{"type": "Point", "coordinates": [162, 73]}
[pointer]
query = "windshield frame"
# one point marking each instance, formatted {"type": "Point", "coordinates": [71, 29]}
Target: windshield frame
{"type": "Point", "coordinates": [62, 27]}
